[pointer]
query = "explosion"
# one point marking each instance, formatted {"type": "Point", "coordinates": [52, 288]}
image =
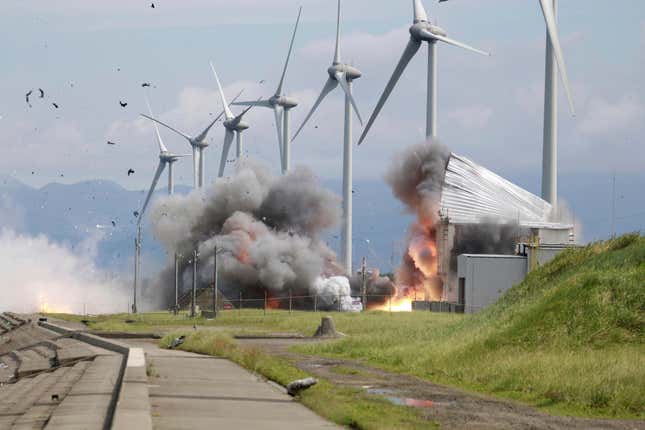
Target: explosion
{"type": "Point", "coordinates": [416, 178]}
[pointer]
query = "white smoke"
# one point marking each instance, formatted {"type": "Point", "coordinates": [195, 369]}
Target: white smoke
{"type": "Point", "coordinates": [332, 290]}
{"type": "Point", "coordinates": [39, 275]}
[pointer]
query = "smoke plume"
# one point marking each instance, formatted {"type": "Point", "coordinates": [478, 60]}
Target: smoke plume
{"type": "Point", "coordinates": [39, 275]}
{"type": "Point", "coordinates": [266, 230]}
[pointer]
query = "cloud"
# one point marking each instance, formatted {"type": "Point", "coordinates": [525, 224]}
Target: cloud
{"type": "Point", "coordinates": [603, 116]}
{"type": "Point", "coordinates": [472, 117]}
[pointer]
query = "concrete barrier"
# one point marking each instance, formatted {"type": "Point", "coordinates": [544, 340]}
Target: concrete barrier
{"type": "Point", "coordinates": [130, 403]}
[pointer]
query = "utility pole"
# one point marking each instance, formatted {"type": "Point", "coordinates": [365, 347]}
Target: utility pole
{"type": "Point", "coordinates": [364, 282]}
{"type": "Point", "coordinates": [215, 282]}
{"type": "Point", "coordinates": [176, 284]}
{"type": "Point", "coordinates": [192, 306]}
{"type": "Point", "coordinates": [613, 206]}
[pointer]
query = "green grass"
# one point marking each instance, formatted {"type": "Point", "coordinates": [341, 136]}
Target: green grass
{"type": "Point", "coordinates": [569, 339]}
{"type": "Point", "coordinates": [348, 407]}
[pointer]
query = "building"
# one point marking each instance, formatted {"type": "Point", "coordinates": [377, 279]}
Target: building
{"type": "Point", "coordinates": [489, 221]}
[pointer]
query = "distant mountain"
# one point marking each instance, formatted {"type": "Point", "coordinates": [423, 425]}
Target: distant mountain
{"type": "Point", "coordinates": [73, 213]}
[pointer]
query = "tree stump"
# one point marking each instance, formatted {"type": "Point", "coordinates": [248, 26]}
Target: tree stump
{"type": "Point", "coordinates": [326, 328]}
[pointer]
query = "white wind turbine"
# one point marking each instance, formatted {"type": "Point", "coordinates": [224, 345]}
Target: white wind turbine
{"type": "Point", "coordinates": [420, 31]}
{"type": "Point", "coordinates": [343, 74]}
{"type": "Point", "coordinates": [198, 144]}
{"type": "Point", "coordinates": [281, 106]}
{"type": "Point", "coordinates": [554, 62]}
{"type": "Point", "coordinates": [233, 126]}
{"type": "Point", "coordinates": [166, 158]}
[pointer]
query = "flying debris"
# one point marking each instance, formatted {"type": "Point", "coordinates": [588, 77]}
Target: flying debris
{"type": "Point", "coordinates": [42, 93]}
{"type": "Point", "coordinates": [152, 5]}
{"type": "Point", "coordinates": [146, 84]}
{"type": "Point", "coordinates": [27, 97]}
{"type": "Point", "coordinates": [113, 223]}
{"type": "Point", "coordinates": [262, 81]}
{"type": "Point", "coordinates": [122, 103]}
{"type": "Point", "coordinates": [130, 172]}
{"type": "Point", "coordinates": [55, 105]}
{"type": "Point", "coordinates": [136, 214]}
{"type": "Point", "coordinates": [110, 143]}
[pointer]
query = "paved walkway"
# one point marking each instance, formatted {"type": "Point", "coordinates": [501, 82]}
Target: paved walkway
{"type": "Point", "coordinates": [189, 391]}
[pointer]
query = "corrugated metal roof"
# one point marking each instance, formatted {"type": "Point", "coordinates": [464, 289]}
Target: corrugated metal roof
{"type": "Point", "coordinates": [472, 194]}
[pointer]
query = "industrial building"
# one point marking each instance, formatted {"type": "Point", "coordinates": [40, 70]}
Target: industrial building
{"type": "Point", "coordinates": [490, 234]}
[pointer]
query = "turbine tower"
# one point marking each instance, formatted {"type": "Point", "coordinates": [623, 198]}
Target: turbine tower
{"type": "Point", "coordinates": [554, 62]}
{"type": "Point", "coordinates": [343, 74]}
{"type": "Point", "coordinates": [281, 106]}
{"type": "Point", "coordinates": [420, 31]}
{"type": "Point", "coordinates": [233, 126]}
{"type": "Point", "coordinates": [198, 144]}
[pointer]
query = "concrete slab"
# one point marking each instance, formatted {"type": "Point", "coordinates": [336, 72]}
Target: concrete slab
{"type": "Point", "coordinates": [191, 391]}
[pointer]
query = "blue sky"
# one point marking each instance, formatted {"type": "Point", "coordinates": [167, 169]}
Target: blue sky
{"type": "Point", "coordinates": [490, 108]}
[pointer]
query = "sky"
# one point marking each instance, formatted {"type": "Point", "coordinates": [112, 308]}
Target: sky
{"type": "Point", "coordinates": [88, 56]}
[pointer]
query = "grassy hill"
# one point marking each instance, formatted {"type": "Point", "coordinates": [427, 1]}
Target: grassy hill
{"type": "Point", "coordinates": [569, 338]}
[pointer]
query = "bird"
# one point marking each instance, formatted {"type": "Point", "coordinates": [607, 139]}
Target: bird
{"type": "Point", "coordinates": [123, 104]}
{"type": "Point", "coordinates": [146, 84]}
{"type": "Point", "coordinates": [110, 143]}
{"type": "Point", "coordinates": [130, 172]}
{"type": "Point", "coordinates": [55, 105]}
{"type": "Point", "coordinates": [42, 93]}
{"type": "Point", "coordinates": [27, 96]}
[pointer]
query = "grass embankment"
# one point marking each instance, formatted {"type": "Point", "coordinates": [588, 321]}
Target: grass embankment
{"type": "Point", "coordinates": [569, 338]}
{"type": "Point", "coordinates": [348, 407]}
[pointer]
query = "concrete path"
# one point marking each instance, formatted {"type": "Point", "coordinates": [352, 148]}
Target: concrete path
{"type": "Point", "coordinates": [189, 391]}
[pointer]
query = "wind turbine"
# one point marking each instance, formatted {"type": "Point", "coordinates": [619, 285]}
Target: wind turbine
{"type": "Point", "coordinates": [166, 158]}
{"type": "Point", "coordinates": [554, 62]}
{"type": "Point", "coordinates": [233, 125]}
{"type": "Point", "coordinates": [343, 74]}
{"type": "Point", "coordinates": [281, 106]}
{"type": "Point", "coordinates": [198, 144]}
{"type": "Point", "coordinates": [420, 31]}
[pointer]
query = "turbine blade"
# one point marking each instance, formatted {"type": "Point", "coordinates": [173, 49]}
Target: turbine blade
{"type": "Point", "coordinates": [277, 112]}
{"type": "Point", "coordinates": [419, 11]}
{"type": "Point", "coordinates": [453, 42]}
{"type": "Point", "coordinates": [337, 53]}
{"type": "Point", "coordinates": [554, 37]}
{"type": "Point", "coordinates": [342, 80]}
{"type": "Point", "coordinates": [409, 52]}
{"type": "Point", "coordinates": [329, 87]}
{"type": "Point", "coordinates": [261, 103]}
{"type": "Point", "coordinates": [202, 136]}
{"type": "Point", "coordinates": [162, 147]}
{"type": "Point", "coordinates": [286, 64]}
{"type": "Point", "coordinates": [228, 139]}
{"type": "Point", "coordinates": [181, 133]}
{"type": "Point", "coordinates": [227, 110]}
{"type": "Point", "coordinates": [238, 118]}
{"type": "Point", "coordinates": [160, 169]}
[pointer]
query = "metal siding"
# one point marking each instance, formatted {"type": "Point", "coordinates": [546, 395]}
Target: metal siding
{"type": "Point", "coordinates": [472, 194]}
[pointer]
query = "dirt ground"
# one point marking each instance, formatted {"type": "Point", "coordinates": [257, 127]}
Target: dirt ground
{"type": "Point", "coordinates": [450, 407]}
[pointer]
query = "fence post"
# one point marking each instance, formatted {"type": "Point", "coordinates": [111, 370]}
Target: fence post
{"type": "Point", "coordinates": [339, 304]}
{"type": "Point", "coordinates": [316, 302]}
{"type": "Point", "coordinates": [239, 308]}
{"type": "Point", "coordinates": [265, 303]}
{"type": "Point", "coordinates": [290, 301]}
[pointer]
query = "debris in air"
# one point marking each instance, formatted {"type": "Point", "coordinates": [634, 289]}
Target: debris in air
{"type": "Point", "coordinates": [130, 172]}
{"type": "Point", "coordinates": [123, 104]}
{"type": "Point", "coordinates": [152, 5]}
{"type": "Point", "coordinates": [27, 96]}
{"type": "Point", "coordinates": [109, 142]}
{"type": "Point", "coordinates": [136, 214]}
{"type": "Point", "coordinates": [42, 93]}
{"type": "Point", "coordinates": [55, 105]}
{"type": "Point", "coordinates": [146, 84]}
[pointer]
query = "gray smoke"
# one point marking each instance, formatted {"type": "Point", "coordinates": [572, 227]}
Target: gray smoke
{"type": "Point", "coordinates": [266, 229]}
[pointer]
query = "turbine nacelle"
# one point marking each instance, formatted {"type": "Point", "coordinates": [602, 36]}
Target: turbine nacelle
{"type": "Point", "coordinates": [350, 72]}
{"type": "Point", "coordinates": [420, 30]}
{"type": "Point", "coordinates": [236, 124]}
{"type": "Point", "coordinates": [283, 101]}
